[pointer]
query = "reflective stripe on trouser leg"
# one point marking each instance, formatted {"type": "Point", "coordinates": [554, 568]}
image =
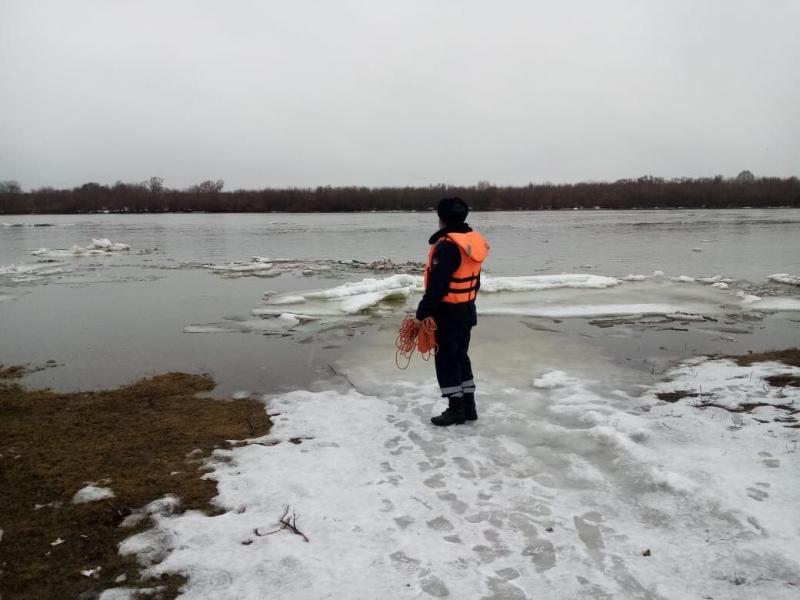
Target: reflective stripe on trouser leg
{"type": "Point", "coordinates": [468, 387]}
{"type": "Point", "coordinates": [455, 390]}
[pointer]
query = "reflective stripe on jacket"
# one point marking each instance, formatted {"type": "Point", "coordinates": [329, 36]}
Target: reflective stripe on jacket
{"type": "Point", "coordinates": [464, 281]}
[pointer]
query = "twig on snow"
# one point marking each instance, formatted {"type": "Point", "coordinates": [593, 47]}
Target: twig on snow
{"type": "Point", "coordinates": [286, 522]}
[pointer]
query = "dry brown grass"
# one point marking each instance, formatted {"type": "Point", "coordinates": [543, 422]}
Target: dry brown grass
{"type": "Point", "coordinates": [783, 380]}
{"type": "Point", "coordinates": [789, 357]}
{"type": "Point", "coordinates": [676, 395]}
{"type": "Point", "coordinates": [12, 371]}
{"type": "Point", "coordinates": [52, 444]}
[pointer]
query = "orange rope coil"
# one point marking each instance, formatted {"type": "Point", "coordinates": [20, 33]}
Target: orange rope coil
{"type": "Point", "coordinates": [414, 336]}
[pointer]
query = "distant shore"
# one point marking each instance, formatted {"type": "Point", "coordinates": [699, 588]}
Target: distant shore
{"type": "Point", "coordinates": [644, 193]}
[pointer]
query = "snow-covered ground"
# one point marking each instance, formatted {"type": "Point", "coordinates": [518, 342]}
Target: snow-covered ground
{"type": "Point", "coordinates": [565, 488]}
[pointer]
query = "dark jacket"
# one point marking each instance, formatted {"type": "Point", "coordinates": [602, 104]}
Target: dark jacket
{"type": "Point", "coordinates": [446, 259]}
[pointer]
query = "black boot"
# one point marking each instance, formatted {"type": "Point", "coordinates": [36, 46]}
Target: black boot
{"type": "Point", "coordinates": [453, 414]}
{"type": "Point", "coordinates": [470, 414]}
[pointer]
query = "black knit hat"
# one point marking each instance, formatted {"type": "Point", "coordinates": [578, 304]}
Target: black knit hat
{"type": "Point", "coordinates": [452, 211]}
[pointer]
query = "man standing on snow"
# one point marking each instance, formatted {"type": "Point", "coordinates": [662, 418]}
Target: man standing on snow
{"type": "Point", "coordinates": [452, 279]}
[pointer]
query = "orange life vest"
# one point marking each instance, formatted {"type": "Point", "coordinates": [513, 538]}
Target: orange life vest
{"type": "Point", "coordinates": [464, 282]}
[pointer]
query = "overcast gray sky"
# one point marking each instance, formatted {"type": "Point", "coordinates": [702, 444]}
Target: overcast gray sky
{"type": "Point", "coordinates": [411, 92]}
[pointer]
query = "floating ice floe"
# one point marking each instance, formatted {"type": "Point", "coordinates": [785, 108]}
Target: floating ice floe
{"type": "Point", "coordinates": [551, 486]}
{"type": "Point", "coordinates": [682, 316]}
{"type": "Point", "coordinates": [747, 298]}
{"type": "Point", "coordinates": [98, 247]}
{"type": "Point", "coordinates": [260, 266]}
{"type": "Point", "coordinates": [92, 493]}
{"type": "Point", "coordinates": [257, 267]}
{"type": "Point", "coordinates": [775, 304]}
{"type": "Point", "coordinates": [785, 278]}
{"type": "Point", "coordinates": [634, 277]}
{"type": "Point", "coordinates": [31, 273]}
{"type": "Point", "coordinates": [717, 281]}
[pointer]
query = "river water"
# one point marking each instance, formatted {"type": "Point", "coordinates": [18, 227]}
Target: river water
{"type": "Point", "coordinates": [577, 481]}
{"type": "Point", "coordinates": [114, 317]}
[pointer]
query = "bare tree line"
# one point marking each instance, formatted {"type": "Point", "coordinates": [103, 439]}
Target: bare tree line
{"type": "Point", "coordinates": [152, 195]}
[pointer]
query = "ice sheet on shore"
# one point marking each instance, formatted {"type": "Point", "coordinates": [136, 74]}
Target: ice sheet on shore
{"type": "Point", "coordinates": [556, 492]}
{"type": "Point", "coordinates": [360, 296]}
{"type": "Point", "coordinates": [547, 296]}
{"type": "Point", "coordinates": [546, 282]}
{"type": "Point", "coordinates": [594, 310]}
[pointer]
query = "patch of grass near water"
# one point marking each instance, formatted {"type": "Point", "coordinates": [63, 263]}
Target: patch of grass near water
{"type": "Point", "coordinates": [140, 440]}
{"type": "Point", "coordinates": [789, 357]}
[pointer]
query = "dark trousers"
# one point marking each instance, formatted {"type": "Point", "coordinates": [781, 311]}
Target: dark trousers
{"type": "Point", "coordinates": [453, 367]}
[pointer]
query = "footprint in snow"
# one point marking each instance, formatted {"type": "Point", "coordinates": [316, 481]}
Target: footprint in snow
{"type": "Point", "coordinates": [459, 507]}
{"type": "Point", "coordinates": [757, 494]}
{"type": "Point", "coordinates": [435, 481]}
{"type": "Point", "coordinates": [503, 590]}
{"type": "Point", "coordinates": [440, 524]}
{"type": "Point", "coordinates": [429, 582]}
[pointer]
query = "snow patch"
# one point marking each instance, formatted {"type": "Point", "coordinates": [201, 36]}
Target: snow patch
{"type": "Point", "coordinates": [551, 380]}
{"type": "Point", "coordinates": [724, 383]}
{"type": "Point", "coordinates": [92, 493]}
